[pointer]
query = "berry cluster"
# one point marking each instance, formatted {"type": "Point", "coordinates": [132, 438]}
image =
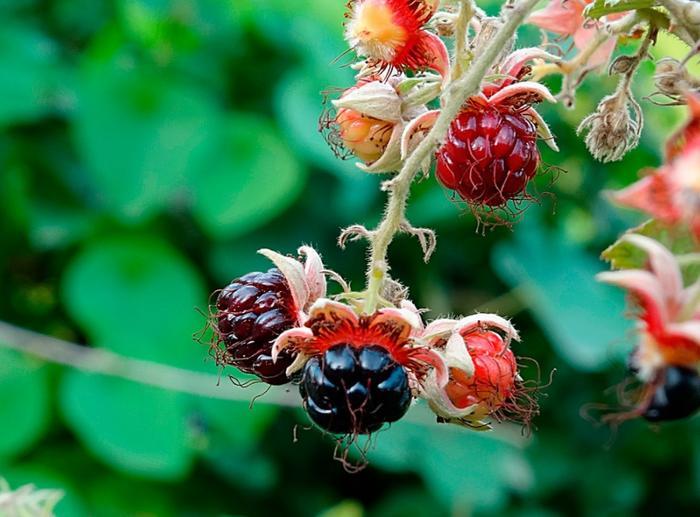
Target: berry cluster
{"type": "Point", "coordinates": [357, 371]}
{"type": "Point", "coordinates": [490, 152]}
{"type": "Point", "coordinates": [360, 358]}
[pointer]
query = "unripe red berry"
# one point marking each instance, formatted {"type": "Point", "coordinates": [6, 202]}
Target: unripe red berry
{"type": "Point", "coordinates": [494, 378]}
{"type": "Point", "coordinates": [489, 155]}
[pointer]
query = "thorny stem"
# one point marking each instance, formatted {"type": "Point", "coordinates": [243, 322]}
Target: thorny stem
{"type": "Point", "coordinates": [399, 188]}
{"type": "Point", "coordinates": [105, 362]}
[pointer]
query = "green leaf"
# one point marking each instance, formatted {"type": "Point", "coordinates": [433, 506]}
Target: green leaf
{"type": "Point", "coordinates": [462, 468]}
{"type": "Point", "coordinates": [583, 318]}
{"type": "Point", "coordinates": [24, 402]}
{"type": "Point", "coordinates": [678, 239]}
{"type": "Point", "coordinates": [137, 296]}
{"type": "Point", "coordinates": [299, 104]}
{"type": "Point", "coordinates": [34, 79]}
{"type": "Point", "coordinates": [347, 508]}
{"type": "Point", "coordinates": [134, 428]}
{"type": "Point", "coordinates": [141, 133]}
{"type": "Point", "coordinates": [56, 226]}
{"type": "Point", "coordinates": [233, 431]}
{"type": "Point", "coordinates": [252, 178]}
{"type": "Point", "coordinates": [601, 8]}
{"type": "Point", "coordinates": [241, 424]}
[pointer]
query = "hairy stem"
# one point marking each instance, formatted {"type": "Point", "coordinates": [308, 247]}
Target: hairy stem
{"type": "Point", "coordinates": [399, 188]}
{"type": "Point", "coordinates": [466, 12]}
{"type": "Point", "coordinates": [105, 362]}
{"type": "Point", "coordinates": [681, 12]}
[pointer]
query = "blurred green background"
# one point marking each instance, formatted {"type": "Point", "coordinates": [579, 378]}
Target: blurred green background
{"type": "Point", "coordinates": [149, 147]}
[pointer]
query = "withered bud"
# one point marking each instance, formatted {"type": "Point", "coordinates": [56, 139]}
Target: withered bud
{"type": "Point", "coordinates": [622, 65]}
{"type": "Point", "coordinates": [444, 23]}
{"type": "Point", "coordinates": [615, 127]}
{"type": "Point", "coordinates": [672, 78]}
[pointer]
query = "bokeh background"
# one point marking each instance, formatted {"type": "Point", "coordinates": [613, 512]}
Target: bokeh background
{"type": "Point", "coordinates": [149, 147]}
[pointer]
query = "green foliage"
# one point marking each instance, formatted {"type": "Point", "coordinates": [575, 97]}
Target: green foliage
{"type": "Point", "coordinates": [248, 185]}
{"type": "Point", "coordinates": [142, 287]}
{"type": "Point", "coordinates": [448, 470]}
{"type": "Point", "coordinates": [34, 75]}
{"type": "Point", "coordinates": [24, 402]}
{"type": "Point", "coordinates": [679, 240]}
{"type": "Point", "coordinates": [149, 147]}
{"type": "Point", "coordinates": [600, 8]}
{"type": "Point", "coordinates": [549, 274]}
{"type": "Point", "coordinates": [141, 430]}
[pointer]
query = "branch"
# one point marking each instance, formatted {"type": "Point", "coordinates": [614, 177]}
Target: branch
{"type": "Point", "coordinates": [457, 93]}
{"type": "Point", "coordinates": [105, 362]}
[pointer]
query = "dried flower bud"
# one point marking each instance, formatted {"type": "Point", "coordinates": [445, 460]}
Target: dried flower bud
{"type": "Point", "coordinates": [612, 130]}
{"type": "Point", "coordinates": [622, 65]}
{"type": "Point", "coordinates": [444, 23]}
{"type": "Point", "coordinates": [672, 78]}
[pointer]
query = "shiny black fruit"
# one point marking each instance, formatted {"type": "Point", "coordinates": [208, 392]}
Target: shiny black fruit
{"type": "Point", "coordinates": [678, 396]}
{"type": "Point", "coordinates": [351, 390]}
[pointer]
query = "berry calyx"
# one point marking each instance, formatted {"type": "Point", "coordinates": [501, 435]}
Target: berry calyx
{"type": "Point", "coordinates": [251, 312]}
{"type": "Point", "coordinates": [350, 390]}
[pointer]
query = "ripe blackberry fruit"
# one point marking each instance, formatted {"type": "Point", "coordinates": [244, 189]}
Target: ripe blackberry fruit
{"type": "Point", "coordinates": [350, 390]}
{"type": "Point", "coordinates": [490, 154]}
{"type": "Point", "coordinates": [251, 312]}
{"type": "Point", "coordinates": [678, 397]}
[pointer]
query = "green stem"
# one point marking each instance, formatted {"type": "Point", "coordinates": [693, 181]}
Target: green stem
{"type": "Point", "coordinates": [399, 188]}
{"type": "Point", "coordinates": [105, 362]}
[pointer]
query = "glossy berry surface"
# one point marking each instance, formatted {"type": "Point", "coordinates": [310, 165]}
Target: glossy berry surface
{"type": "Point", "coordinates": [489, 155]}
{"type": "Point", "coordinates": [495, 370]}
{"type": "Point", "coordinates": [678, 397]}
{"type": "Point", "coordinates": [349, 390]}
{"type": "Point", "coordinates": [251, 312]}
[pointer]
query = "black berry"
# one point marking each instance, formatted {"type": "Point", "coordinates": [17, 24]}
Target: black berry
{"type": "Point", "coordinates": [678, 396]}
{"type": "Point", "coordinates": [251, 312]}
{"type": "Point", "coordinates": [351, 390]}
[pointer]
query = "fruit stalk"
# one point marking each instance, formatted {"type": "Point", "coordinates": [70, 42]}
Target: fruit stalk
{"type": "Point", "coordinates": [455, 94]}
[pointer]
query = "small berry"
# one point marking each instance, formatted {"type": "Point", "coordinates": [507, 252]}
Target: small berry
{"type": "Point", "coordinates": [493, 381]}
{"type": "Point", "coordinates": [490, 154]}
{"type": "Point", "coordinates": [251, 312]}
{"type": "Point", "coordinates": [677, 397]}
{"type": "Point", "coordinates": [350, 390]}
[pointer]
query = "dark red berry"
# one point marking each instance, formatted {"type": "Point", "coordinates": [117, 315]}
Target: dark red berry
{"type": "Point", "coordinates": [677, 397]}
{"type": "Point", "coordinates": [489, 155]}
{"type": "Point", "coordinates": [251, 312]}
{"type": "Point", "coordinates": [350, 390]}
